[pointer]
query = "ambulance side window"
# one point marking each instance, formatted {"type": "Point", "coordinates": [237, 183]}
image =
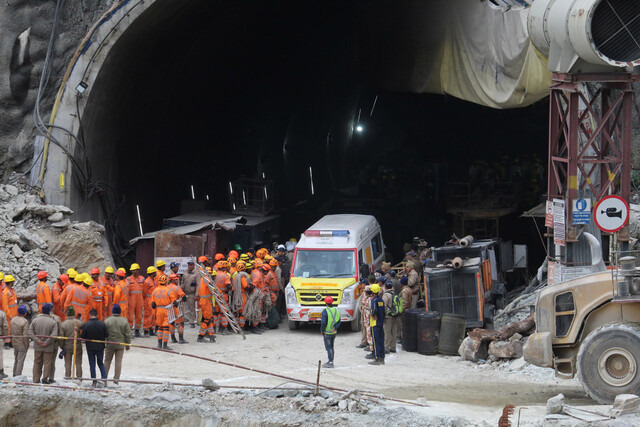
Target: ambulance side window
{"type": "Point", "coordinates": [376, 244]}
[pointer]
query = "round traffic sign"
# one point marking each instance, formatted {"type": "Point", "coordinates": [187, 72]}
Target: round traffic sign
{"type": "Point", "coordinates": [611, 214]}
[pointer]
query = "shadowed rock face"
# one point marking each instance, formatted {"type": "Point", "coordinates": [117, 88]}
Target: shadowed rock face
{"type": "Point", "coordinates": [25, 27]}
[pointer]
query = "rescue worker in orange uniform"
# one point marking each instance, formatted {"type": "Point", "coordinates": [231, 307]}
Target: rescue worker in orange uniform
{"type": "Point", "coordinates": [257, 280]}
{"type": "Point", "coordinates": [222, 280]}
{"type": "Point", "coordinates": [160, 266]}
{"type": "Point", "coordinates": [107, 287]}
{"type": "Point", "coordinates": [71, 274]}
{"type": "Point", "coordinates": [206, 304]}
{"type": "Point", "coordinates": [80, 297]}
{"type": "Point", "coordinates": [136, 300]}
{"type": "Point", "coordinates": [98, 301]}
{"type": "Point", "coordinates": [56, 295]}
{"type": "Point", "coordinates": [218, 257]}
{"type": "Point", "coordinates": [204, 260]}
{"type": "Point", "coordinates": [239, 291]}
{"type": "Point", "coordinates": [43, 292]}
{"type": "Point", "coordinates": [178, 295]}
{"type": "Point", "coordinates": [161, 298]}
{"type": "Point", "coordinates": [147, 292]}
{"type": "Point", "coordinates": [271, 281]}
{"type": "Point", "coordinates": [9, 303]}
{"type": "Point", "coordinates": [121, 291]}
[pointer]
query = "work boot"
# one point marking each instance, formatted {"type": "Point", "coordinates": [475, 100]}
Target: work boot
{"type": "Point", "coordinates": [94, 384]}
{"type": "Point", "coordinates": [225, 331]}
{"type": "Point", "coordinates": [165, 346]}
{"type": "Point", "coordinates": [160, 343]}
{"type": "Point", "coordinates": [328, 365]}
{"type": "Point", "coordinates": [368, 348]}
{"type": "Point", "coordinates": [146, 333]}
{"type": "Point", "coordinates": [200, 338]}
{"type": "Point", "coordinates": [182, 341]}
{"type": "Point", "coordinates": [137, 333]}
{"type": "Point", "coordinates": [193, 326]}
{"type": "Point", "coordinates": [361, 346]}
{"type": "Point", "coordinates": [212, 338]}
{"type": "Point", "coordinates": [370, 356]}
{"type": "Point", "coordinates": [263, 327]}
{"type": "Point", "coordinates": [173, 339]}
{"type": "Point", "coordinates": [151, 333]}
{"type": "Point", "coordinates": [2, 374]}
{"type": "Point", "coordinates": [377, 362]}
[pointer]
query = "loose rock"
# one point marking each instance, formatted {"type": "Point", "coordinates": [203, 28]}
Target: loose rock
{"type": "Point", "coordinates": [555, 404]}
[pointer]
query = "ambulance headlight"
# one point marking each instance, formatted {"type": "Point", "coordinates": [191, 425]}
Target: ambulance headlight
{"type": "Point", "coordinates": [348, 294]}
{"type": "Point", "coordinates": [291, 295]}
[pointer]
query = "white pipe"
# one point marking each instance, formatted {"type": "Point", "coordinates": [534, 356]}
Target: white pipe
{"type": "Point", "coordinates": [597, 264]}
{"type": "Point", "coordinates": [139, 219]}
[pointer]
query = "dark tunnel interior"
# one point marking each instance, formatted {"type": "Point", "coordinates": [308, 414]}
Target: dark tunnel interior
{"type": "Point", "coordinates": [203, 92]}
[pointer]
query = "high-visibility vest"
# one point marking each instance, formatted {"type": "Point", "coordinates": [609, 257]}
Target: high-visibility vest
{"type": "Point", "coordinates": [333, 316]}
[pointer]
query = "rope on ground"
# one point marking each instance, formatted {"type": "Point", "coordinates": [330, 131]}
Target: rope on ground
{"type": "Point", "coordinates": [222, 362]}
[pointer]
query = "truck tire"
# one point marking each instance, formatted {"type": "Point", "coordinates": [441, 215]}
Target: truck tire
{"type": "Point", "coordinates": [293, 325]}
{"type": "Point", "coordinates": [356, 323]}
{"type": "Point", "coordinates": [608, 362]}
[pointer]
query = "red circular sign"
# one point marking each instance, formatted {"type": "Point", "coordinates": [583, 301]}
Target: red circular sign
{"type": "Point", "coordinates": [611, 214]}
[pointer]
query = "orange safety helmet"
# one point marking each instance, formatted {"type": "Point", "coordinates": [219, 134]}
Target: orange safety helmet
{"type": "Point", "coordinates": [250, 254]}
{"type": "Point", "coordinates": [266, 267]}
{"type": "Point", "coordinates": [218, 256]}
{"type": "Point", "coordinates": [120, 272]}
{"type": "Point", "coordinates": [162, 280]}
{"type": "Point", "coordinates": [42, 274]}
{"type": "Point", "coordinates": [260, 253]}
{"type": "Point", "coordinates": [233, 254]}
{"type": "Point", "coordinates": [328, 300]}
{"type": "Point", "coordinates": [232, 260]}
{"type": "Point", "coordinates": [274, 262]}
{"type": "Point", "coordinates": [223, 264]}
{"type": "Point", "coordinates": [95, 270]}
{"type": "Point", "coordinates": [203, 258]}
{"type": "Point", "coordinates": [173, 276]}
{"type": "Point", "coordinates": [240, 266]}
{"type": "Point", "coordinates": [257, 263]}
{"type": "Point", "coordinates": [64, 279]}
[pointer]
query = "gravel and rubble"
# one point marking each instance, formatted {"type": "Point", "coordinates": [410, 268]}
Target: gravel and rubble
{"type": "Point", "coordinates": [196, 406]}
{"type": "Point", "coordinates": [36, 236]}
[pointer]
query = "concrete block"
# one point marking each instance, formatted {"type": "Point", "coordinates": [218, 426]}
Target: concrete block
{"type": "Point", "coordinates": [625, 404]}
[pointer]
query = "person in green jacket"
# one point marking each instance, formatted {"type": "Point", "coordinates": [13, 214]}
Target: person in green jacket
{"type": "Point", "coordinates": [329, 328]}
{"type": "Point", "coordinates": [119, 331]}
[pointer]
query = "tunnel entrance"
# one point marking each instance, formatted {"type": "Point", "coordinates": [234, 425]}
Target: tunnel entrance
{"type": "Point", "coordinates": [201, 93]}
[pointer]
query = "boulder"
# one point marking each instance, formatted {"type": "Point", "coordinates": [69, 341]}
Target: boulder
{"type": "Point", "coordinates": [506, 349]}
{"type": "Point", "coordinates": [342, 405]}
{"type": "Point", "coordinates": [555, 404]}
{"type": "Point", "coordinates": [473, 350]}
{"type": "Point", "coordinates": [210, 384]}
{"type": "Point", "coordinates": [17, 252]}
{"type": "Point", "coordinates": [56, 217]}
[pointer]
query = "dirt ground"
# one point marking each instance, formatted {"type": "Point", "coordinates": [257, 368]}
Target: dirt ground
{"type": "Point", "coordinates": [451, 387]}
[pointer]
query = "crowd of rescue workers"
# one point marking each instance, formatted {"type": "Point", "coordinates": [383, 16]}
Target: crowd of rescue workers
{"type": "Point", "coordinates": [109, 306]}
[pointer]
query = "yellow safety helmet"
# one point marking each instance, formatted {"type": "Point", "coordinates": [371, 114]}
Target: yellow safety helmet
{"type": "Point", "coordinates": [88, 281]}
{"type": "Point", "coordinates": [244, 257]}
{"type": "Point", "coordinates": [249, 264]}
{"type": "Point", "coordinates": [108, 269]}
{"type": "Point", "coordinates": [9, 278]}
{"type": "Point", "coordinates": [240, 265]}
{"type": "Point", "coordinates": [72, 273]}
{"type": "Point", "coordinates": [268, 258]}
{"type": "Point", "coordinates": [160, 263]}
{"type": "Point", "coordinates": [1, 275]}
{"type": "Point", "coordinates": [134, 267]}
{"type": "Point", "coordinates": [151, 269]}
{"type": "Point", "coordinates": [375, 288]}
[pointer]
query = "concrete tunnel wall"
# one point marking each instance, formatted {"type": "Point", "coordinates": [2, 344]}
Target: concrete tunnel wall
{"type": "Point", "coordinates": [140, 68]}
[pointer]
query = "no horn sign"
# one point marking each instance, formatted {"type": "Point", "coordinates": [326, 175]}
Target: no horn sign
{"type": "Point", "coordinates": [611, 214]}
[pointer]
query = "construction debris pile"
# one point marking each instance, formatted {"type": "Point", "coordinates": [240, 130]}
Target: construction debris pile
{"type": "Point", "coordinates": [178, 406]}
{"type": "Point", "coordinates": [36, 236]}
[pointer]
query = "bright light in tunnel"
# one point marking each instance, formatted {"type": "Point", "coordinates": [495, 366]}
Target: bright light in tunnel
{"type": "Point", "coordinates": [266, 196]}
{"type": "Point", "coordinates": [231, 188]}
{"type": "Point", "coordinates": [139, 219]}
{"type": "Point", "coordinates": [207, 197]}
{"type": "Point", "coordinates": [244, 198]}
{"type": "Point", "coordinates": [193, 193]}
{"type": "Point", "coordinates": [311, 178]}
{"type": "Point", "coordinates": [359, 128]}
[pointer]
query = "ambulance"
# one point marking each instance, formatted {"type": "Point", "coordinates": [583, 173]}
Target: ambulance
{"type": "Point", "coordinates": [330, 258]}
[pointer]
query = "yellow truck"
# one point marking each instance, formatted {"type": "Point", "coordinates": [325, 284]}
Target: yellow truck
{"type": "Point", "coordinates": [329, 259]}
{"type": "Point", "coordinates": [590, 326]}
